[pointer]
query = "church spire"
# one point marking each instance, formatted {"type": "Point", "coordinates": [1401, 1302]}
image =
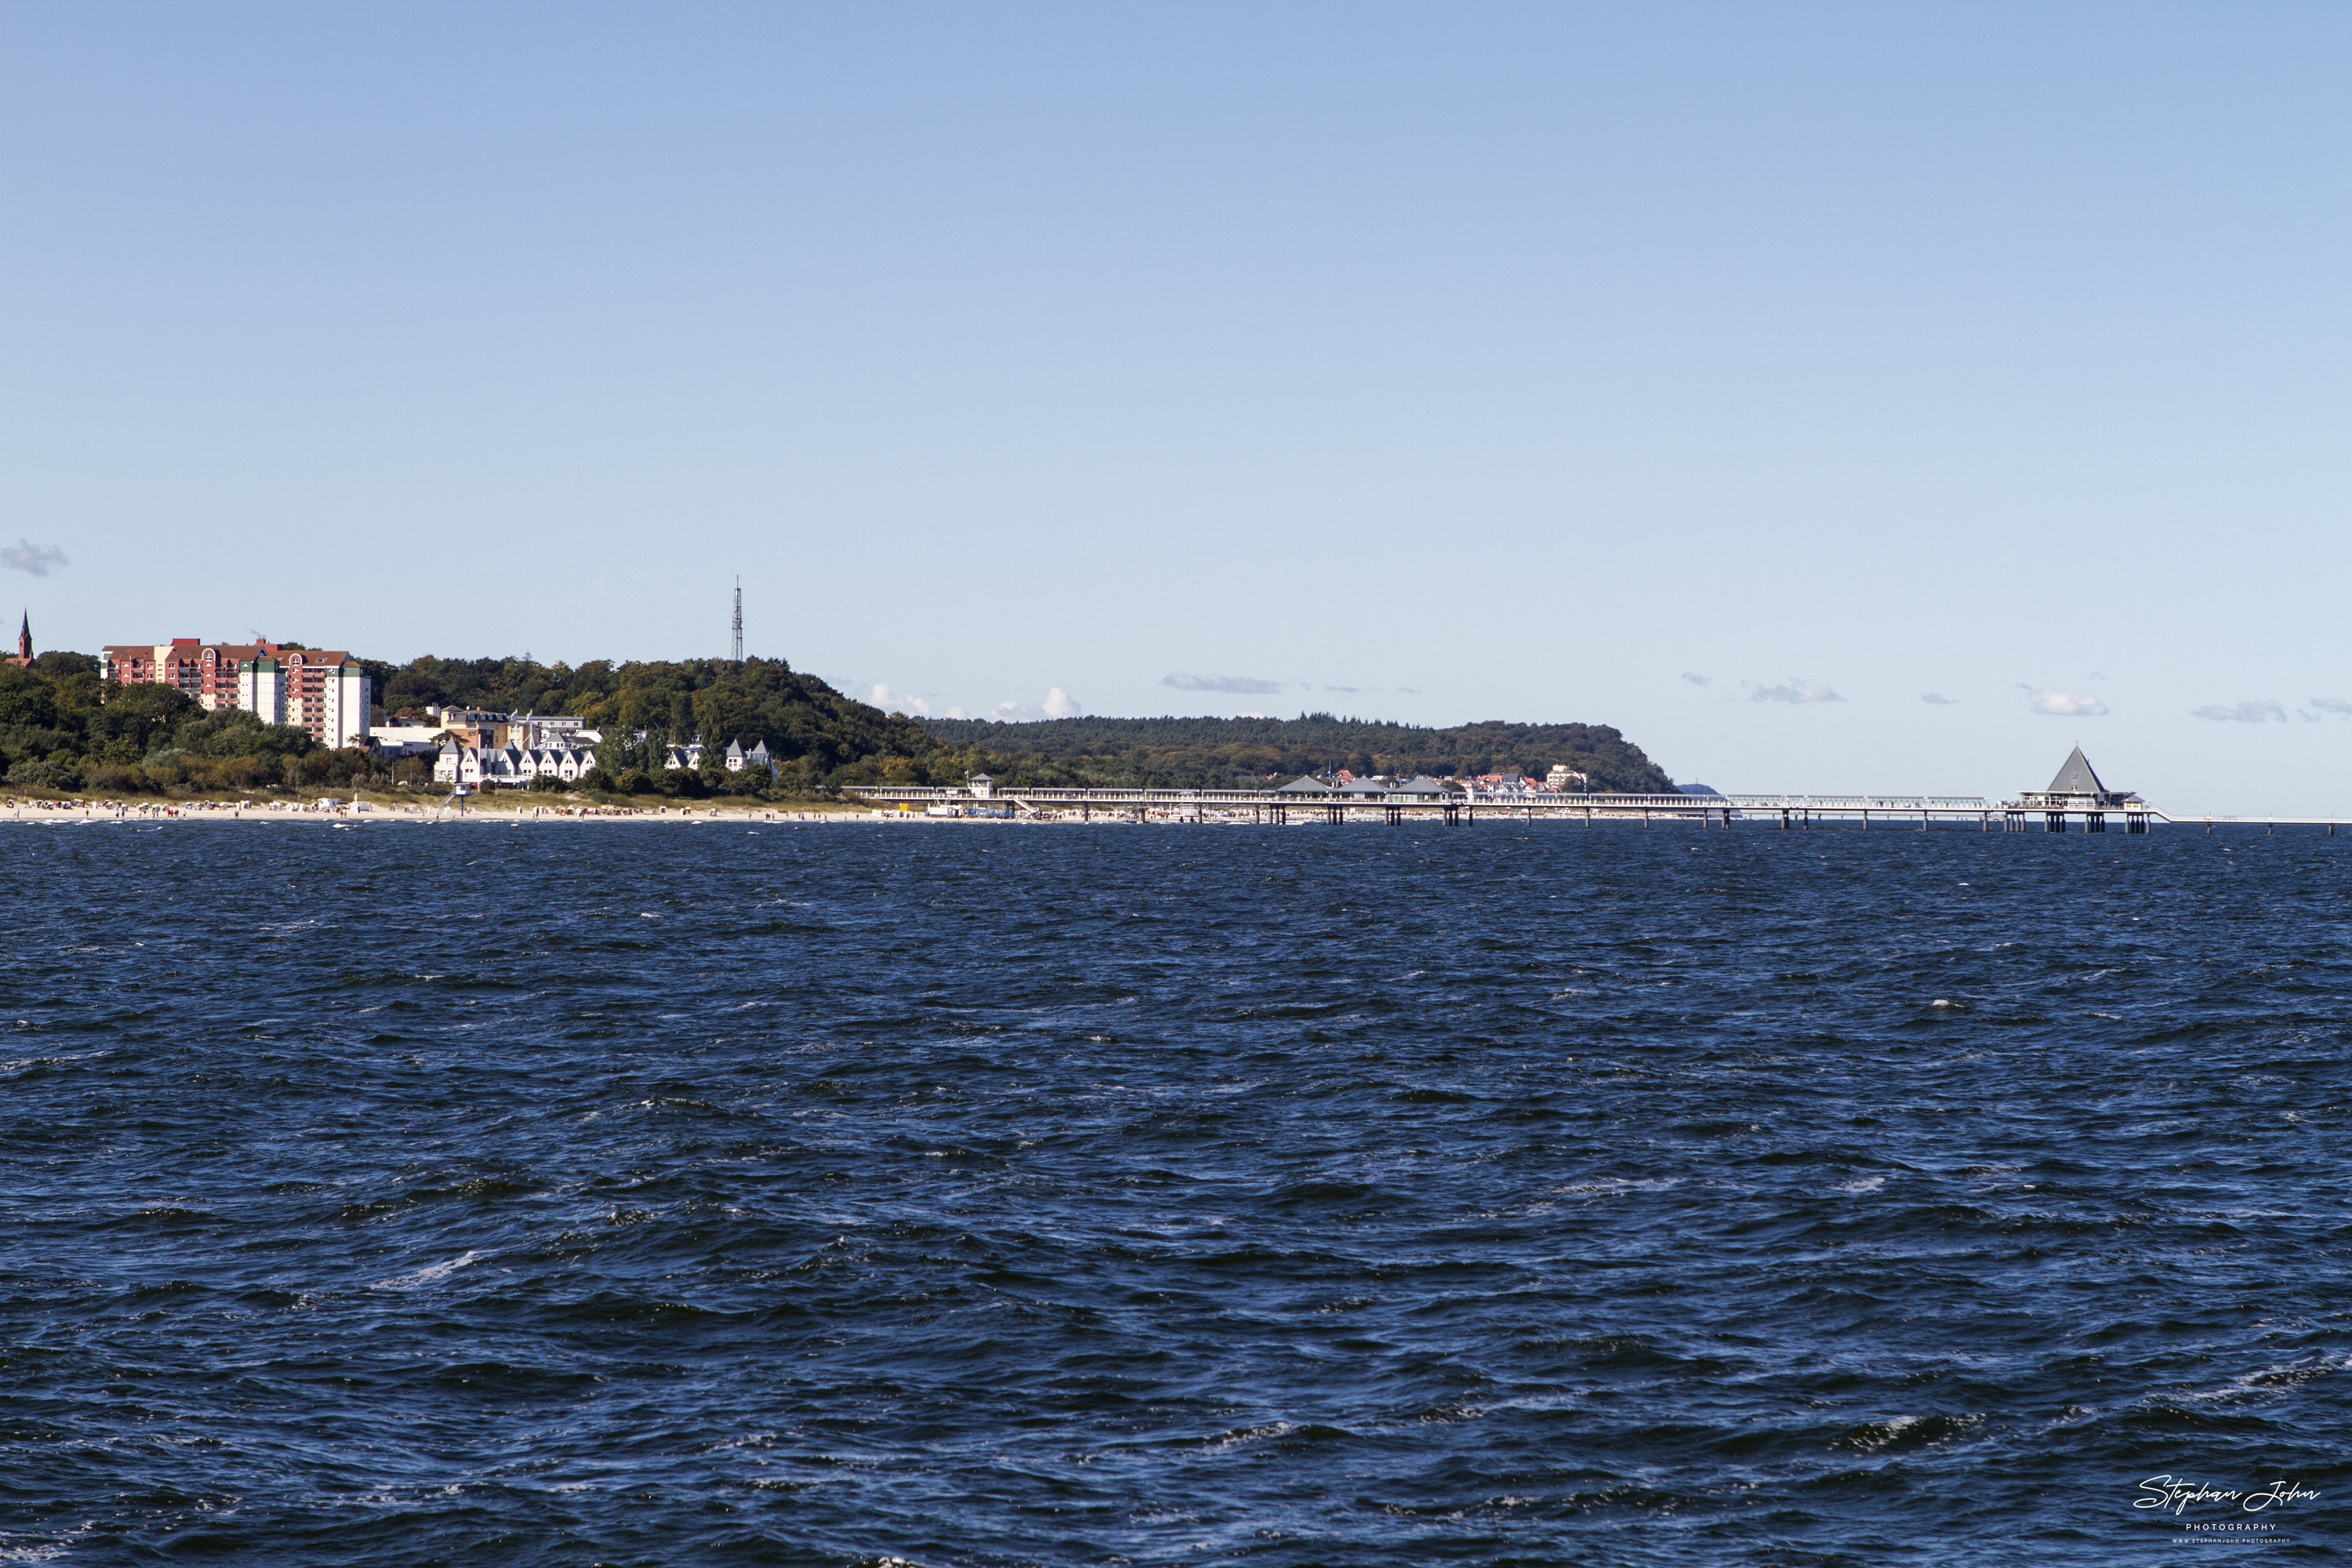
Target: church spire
{"type": "Point", "coordinates": [25, 639]}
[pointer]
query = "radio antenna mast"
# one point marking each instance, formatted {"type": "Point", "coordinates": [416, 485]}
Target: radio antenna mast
{"type": "Point", "coordinates": [738, 654]}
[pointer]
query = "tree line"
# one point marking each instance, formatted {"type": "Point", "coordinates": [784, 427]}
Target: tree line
{"type": "Point", "coordinates": [1227, 753]}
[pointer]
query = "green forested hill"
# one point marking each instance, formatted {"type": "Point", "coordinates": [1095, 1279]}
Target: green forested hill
{"type": "Point", "coordinates": [822, 736]}
{"type": "Point", "coordinates": [1219, 752]}
{"type": "Point", "coordinates": [827, 739]}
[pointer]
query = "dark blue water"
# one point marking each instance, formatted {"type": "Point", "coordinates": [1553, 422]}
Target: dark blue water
{"type": "Point", "coordinates": [996, 1195]}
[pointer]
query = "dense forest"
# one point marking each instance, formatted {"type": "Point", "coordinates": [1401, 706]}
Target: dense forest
{"type": "Point", "coordinates": [1222, 753]}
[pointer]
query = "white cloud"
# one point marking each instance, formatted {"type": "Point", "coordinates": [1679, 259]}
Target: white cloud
{"type": "Point", "coordinates": [1794, 691]}
{"type": "Point", "coordinates": [2332, 705]}
{"type": "Point", "coordinates": [956, 712]}
{"type": "Point", "coordinates": [1058, 704]}
{"type": "Point", "coordinates": [28, 557]}
{"type": "Point", "coordinates": [891, 701]}
{"type": "Point", "coordinates": [1938, 697]}
{"type": "Point", "coordinates": [2257, 711]}
{"type": "Point", "coordinates": [1697, 679]}
{"type": "Point", "coordinates": [2065, 704]}
{"type": "Point", "coordinates": [1246, 685]}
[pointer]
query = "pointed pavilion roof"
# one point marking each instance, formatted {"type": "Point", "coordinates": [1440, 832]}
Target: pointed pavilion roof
{"type": "Point", "coordinates": [1304, 785]}
{"type": "Point", "coordinates": [2076, 778]}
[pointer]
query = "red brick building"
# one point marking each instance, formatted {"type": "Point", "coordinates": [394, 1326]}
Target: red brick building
{"type": "Point", "coordinates": [322, 690]}
{"type": "Point", "coordinates": [205, 671]}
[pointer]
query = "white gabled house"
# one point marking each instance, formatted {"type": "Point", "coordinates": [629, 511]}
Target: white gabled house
{"type": "Point", "coordinates": [509, 766]}
{"type": "Point", "coordinates": [566, 762]}
{"type": "Point", "coordinates": [757, 759]}
{"type": "Point", "coordinates": [459, 764]}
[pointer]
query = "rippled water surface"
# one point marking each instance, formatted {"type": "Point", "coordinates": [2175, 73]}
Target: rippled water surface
{"type": "Point", "coordinates": [989, 1195]}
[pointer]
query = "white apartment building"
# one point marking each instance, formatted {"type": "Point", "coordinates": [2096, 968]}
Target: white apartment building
{"type": "Point", "coordinates": [327, 694]}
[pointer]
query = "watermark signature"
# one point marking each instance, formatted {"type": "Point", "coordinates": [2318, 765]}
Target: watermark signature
{"type": "Point", "coordinates": [2176, 1496]}
{"type": "Point", "coordinates": [2172, 1496]}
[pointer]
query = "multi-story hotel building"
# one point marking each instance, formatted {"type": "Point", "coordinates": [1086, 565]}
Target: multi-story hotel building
{"type": "Point", "coordinates": [325, 692]}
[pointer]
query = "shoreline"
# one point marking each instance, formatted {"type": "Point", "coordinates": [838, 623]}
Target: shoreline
{"type": "Point", "coordinates": [58, 814]}
{"type": "Point", "coordinates": [345, 812]}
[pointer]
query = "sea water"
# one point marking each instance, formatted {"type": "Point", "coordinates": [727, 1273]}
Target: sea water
{"type": "Point", "coordinates": [996, 1195]}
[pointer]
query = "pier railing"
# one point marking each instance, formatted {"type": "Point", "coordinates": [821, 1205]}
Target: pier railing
{"type": "Point", "coordinates": [937, 795]}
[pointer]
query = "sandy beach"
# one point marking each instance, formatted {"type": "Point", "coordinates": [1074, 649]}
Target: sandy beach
{"type": "Point", "coordinates": [351, 814]}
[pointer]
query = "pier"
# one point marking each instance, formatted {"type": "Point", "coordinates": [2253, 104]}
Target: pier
{"type": "Point", "coordinates": [2075, 802]}
{"type": "Point", "coordinates": [1793, 811]}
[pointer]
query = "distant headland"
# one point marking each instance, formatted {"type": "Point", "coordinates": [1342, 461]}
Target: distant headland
{"type": "Point", "coordinates": [1246, 753]}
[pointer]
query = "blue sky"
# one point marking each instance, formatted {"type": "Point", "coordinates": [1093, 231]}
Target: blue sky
{"type": "Point", "coordinates": [1735, 375]}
